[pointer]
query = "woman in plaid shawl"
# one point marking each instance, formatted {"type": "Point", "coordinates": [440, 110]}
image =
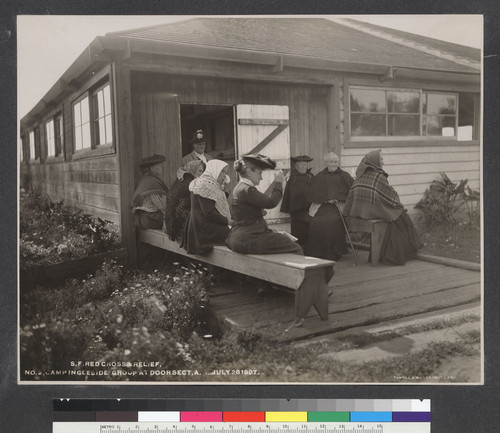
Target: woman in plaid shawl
{"type": "Point", "coordinates": [371, 197]}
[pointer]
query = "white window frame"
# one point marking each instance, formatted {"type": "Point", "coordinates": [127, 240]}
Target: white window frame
{"type": "Point", "coordinates": [51, 138]}
{"type": "Point", "coordinates": [31, 142]}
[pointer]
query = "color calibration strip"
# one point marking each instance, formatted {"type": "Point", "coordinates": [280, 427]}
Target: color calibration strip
{"type": "Point", "coordinates": [337, 411]}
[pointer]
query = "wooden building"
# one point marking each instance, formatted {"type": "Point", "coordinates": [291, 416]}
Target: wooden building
{"type": "Point", "coordinates": [283, 86]}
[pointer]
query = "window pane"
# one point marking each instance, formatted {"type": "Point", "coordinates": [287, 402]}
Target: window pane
{"type": "Point", "coordinates": [85, 109]}
{"type": "Point", "coordinates": [440, 126]}
{"type": "Point", "coordinates": [78, 138]}
{"type": "Point", "coordinates": [77, 114]}
{"type": "Point", "coordinates": [107, 100]}
{"type": "Point", "coordinates": [100, 104]}
{"type": "Point", "coordinates": [440, 104]}
{"type": "Point", "coordinates": [86, 136]}
{"type": "Point", "coordinates": [403, 102]}
{"type": "Point", "coordinates": [404, 125]}
{"type": "Point", "coordinates": [101, 135]}
{"type": "Point", "coordinates": [32, 145]}
{"type": "Point", "coordinates": [109, 129]}
{"type": "Point", "coordinates": [367, 125]}
{"type": "Point", "coordinates": [368, 101]}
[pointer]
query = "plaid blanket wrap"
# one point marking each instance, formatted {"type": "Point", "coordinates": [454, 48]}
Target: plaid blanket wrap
{"type": "Point", "coordinates": [371, 197]}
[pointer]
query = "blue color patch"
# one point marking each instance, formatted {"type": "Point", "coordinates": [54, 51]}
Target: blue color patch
{"type": "Point", "coordinates": [371, 416]}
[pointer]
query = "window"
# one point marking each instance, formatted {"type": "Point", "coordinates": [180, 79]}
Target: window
{"type": "Point", "coordinates": [59, 134]}
{"type": "Point", "coordinates": [92, 115]}
{"type": "Point", "coordinates": [439, 115]}
{"type": "Point", "coordinates": [410, 113]}
{"type": "Point", "coordinates": [32, 145]}
{"type": "Point", "coordinates": [81, 116]}
{"type": "Point", "coordinates": [102, 116]}
{"type": "Point", "coordinates": [51, 139]}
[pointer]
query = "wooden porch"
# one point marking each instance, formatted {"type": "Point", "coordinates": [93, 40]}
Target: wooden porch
{"type": "Point", "coordinates": [362, 296]}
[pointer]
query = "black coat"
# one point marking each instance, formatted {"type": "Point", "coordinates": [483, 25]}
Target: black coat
{"type": "Point", "coordinates": [205, 228]}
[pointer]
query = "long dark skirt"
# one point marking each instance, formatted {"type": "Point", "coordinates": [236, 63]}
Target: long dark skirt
{"type": "Point", "coordinates": [401, 241]}
{"type": "Point", "coordinates": [326, 234]}
{"type": "Point", "coordinates": [257, 238]}
{"type": "Point", "coordinates": [300, 226]}
{"type": "Point", "coordinates": [148, 220]}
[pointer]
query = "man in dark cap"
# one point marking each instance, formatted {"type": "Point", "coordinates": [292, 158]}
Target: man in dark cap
{"type": "Point", "coordinates": [199, 146]}
{"type": "Point", "coordinates": [296, 199]}
{"type": "Point", "coordinates": [150, 196]}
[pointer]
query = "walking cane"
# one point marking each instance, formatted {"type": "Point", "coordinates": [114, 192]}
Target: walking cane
{"type": "Point", "coordinates": [347, 232]}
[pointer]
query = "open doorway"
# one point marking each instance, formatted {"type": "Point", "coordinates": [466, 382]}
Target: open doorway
{"type": "Point", "coordinates": [217, 122]}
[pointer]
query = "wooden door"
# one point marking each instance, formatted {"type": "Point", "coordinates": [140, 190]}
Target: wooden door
{"type": "Point", "coordinates": [265, 129]}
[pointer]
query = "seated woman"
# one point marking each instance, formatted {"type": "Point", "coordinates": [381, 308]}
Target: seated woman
{"type": "Point", "coordinates": [250, 233]}
{"type": "Point", "coordinates": [328, 192]}
{"type": "Point", "coordinates": [297, 198]}
{"type": "Point", "coordinates": [179, 201]}
{"type": "Point", "coordinates": [149, 199]}
{"type": "Point", "coordinates": [371, 197]}
{"type": "Point", "coordinates": [209, 217]}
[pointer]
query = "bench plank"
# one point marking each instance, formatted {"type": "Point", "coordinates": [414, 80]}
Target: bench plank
{"type": "Point", "coordinates": [308, 276]}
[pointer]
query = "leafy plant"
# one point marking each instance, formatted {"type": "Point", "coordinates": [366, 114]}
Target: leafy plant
{"type": "Point", "coordinates": [442, 201]}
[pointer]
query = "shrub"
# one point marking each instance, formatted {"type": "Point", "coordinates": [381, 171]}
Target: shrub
{"type": "Point", "coordinates": [52, 232]}
{"type": "Point", "coordinates": [116, 314]}
{"type": "Point", "coordinates": [441, 201]}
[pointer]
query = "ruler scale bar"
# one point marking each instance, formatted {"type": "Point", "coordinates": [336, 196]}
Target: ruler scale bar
{"type": "Point", "coordinates": [366, 427]}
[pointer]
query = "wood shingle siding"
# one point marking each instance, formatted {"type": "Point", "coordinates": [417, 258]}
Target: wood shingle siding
{"type": "Point", "coordinates": [412, 169]}
{"type": "Point", "coordinates": [91, 185]}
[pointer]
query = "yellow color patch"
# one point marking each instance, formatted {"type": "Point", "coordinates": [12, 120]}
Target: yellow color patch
{"type": "Point", "coordinates": [286, 416]}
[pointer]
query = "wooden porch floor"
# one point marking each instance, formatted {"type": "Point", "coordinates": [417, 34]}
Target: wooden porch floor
{"type": "Point", "coordinates": [362, 296]}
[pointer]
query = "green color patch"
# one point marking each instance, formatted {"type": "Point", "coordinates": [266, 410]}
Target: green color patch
{"type": "Point", "coordinates": [328, 417]}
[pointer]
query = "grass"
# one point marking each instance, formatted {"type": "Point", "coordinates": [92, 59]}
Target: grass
{"type": "Point", "coordinates": [460, 241]}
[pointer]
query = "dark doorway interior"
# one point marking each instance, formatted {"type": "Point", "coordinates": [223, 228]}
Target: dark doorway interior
{"type": "Point", "coordinates": [217, 121]}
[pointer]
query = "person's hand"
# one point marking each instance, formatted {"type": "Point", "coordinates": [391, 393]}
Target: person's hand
{"type": "Point", "coordinates": [280, 178]}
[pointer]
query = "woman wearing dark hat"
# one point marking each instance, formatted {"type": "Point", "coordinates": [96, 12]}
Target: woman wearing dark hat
{"type": "Point", "coordinates": [149, 199]}
{"type": "Point", "coordinates": [328, 191]}
{"type": "Point", "coordinates": [199, 145]}
{"type": "Point", "coordinates": [296, 199]}
{"type": "Point", "coordinates": [179, 201]}
{"type": "Point", "coordinates": [250, 233]}
{"type": "Point", "coordinates": [371, 197]}
{"type": "Point", "coordinates": [209, 219]}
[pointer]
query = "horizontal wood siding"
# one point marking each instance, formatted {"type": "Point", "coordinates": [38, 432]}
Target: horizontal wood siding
{"type": "Point", "coordinates": [412, 169]}
{"type": "Point", "coordinates": [91, 185]}
{"type": "Point", "coordinates": [156, 99]}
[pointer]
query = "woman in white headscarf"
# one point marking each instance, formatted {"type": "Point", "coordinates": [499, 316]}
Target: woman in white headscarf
{"type": "Point", "coordinates": [209, 217]}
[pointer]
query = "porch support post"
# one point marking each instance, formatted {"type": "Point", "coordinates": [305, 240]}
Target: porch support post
{"type": "Point", "coordinates": [334, 128]}
{"type": "Point", "coordinates": [125, 147]}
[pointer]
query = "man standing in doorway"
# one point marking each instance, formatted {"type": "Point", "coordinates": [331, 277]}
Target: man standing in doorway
{"type": "Point", "coordinates": [199, 145]}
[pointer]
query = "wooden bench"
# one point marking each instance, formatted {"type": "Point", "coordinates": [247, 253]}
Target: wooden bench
{"type": "Point", "coordinates": [376, 228]}
{"type": "Point", "coordinates": [308, 276]}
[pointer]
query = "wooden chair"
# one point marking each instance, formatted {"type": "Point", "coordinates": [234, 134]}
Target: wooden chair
{"type": "Point", "coordinates": [376, 228]}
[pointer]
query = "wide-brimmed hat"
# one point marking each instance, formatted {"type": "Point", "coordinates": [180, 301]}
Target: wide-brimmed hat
{"type": "Point", "coordinates": [152, 160]}
{"type": "Point", "coordinates": [305, 158]}
{"type": "Point", "coordinates": [198, 137]}
{"type": "Point", "coordinates": [261, 161]}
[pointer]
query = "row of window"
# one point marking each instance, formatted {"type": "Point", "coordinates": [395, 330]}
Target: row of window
{"type": "Point", "coordinates": [412, 113]}
{"type": "Point", "coordinates": [373, 113]}
{"type": "Point", "coordinates": [92, 125]}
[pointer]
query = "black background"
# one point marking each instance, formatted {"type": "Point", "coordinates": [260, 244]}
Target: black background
{"type": "Point", "coordinates": [454, 408]}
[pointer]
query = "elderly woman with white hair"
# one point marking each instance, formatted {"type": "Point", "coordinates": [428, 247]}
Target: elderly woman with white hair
{"type": "Point", "coordinates": [328, 192]}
